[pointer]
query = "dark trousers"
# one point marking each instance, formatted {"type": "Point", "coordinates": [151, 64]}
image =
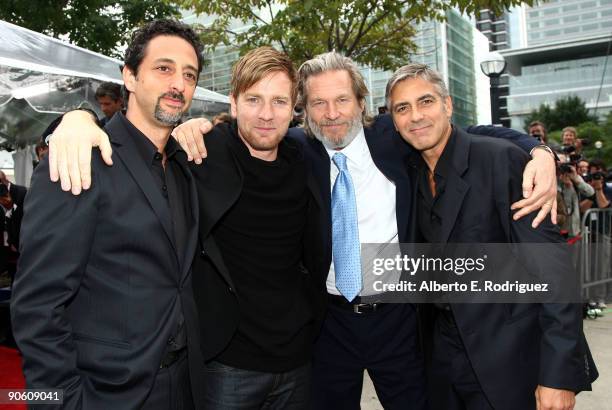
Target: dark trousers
{"type": "Point", "coordinates": [229, 388]}
{"type": "Point", "coordinates": [453, 383]}
{"type": "Point", "coordinates": [172, 388]}
{"type": "Point", "coordinates": [385, 343]}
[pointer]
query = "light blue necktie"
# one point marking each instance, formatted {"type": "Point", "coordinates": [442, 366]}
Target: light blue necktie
{"type": "Point", "coordinates": [345, 232]}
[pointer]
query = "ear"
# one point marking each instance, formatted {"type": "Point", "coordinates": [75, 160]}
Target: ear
{"type": "Point", "coordinates": [448, 106]}
{"type": "Point", "coordinates": [129, 79]}
{"type": "Point", "coordinates": [362, 104]}
{"type": "Point", "coordinates": [233, 106]}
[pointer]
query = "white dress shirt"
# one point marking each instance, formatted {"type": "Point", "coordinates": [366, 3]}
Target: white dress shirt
{"type": "Point", "coordinates": [375, 195]}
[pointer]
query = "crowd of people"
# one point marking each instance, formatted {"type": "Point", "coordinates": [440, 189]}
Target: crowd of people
{"type": "Point", "coordinates": [583, 183]}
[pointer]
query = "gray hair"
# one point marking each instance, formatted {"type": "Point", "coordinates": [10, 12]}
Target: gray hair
{"type": "Point", "coordinates": [415, 70]}
{"type": "Point", "coordinates": [333, 61]}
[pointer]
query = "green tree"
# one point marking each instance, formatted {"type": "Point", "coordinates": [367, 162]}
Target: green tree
{"type": "Point", "coordinates": [374, 32]}
{"type": "Point", "coordinates": [103, 26]}
{"type": "Point", "coordinates": [568, 111]}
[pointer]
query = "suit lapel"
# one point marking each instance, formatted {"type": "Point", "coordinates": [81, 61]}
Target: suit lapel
{"type": "Point", "coordinates": [193, 222]}
{"type": "Point", "coordinates": [319, 184]}
{"type": "Point", "coordinates": [125, 149]}
{"type": "Point", "coordinates": [456, 187]}
{"type": "Point", "coordinates": [389, 156]}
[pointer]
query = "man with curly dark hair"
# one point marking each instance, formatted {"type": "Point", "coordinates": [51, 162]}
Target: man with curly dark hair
{"type": "Point", "coordinates": [102, 304]}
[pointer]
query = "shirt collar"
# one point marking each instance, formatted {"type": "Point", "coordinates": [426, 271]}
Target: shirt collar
{"type": "Point", "coordinates": [444, 163]}
{"type": "Point", "coordinates": [144, 145]}
{"type": "Point", "coordinates": [356, 152]}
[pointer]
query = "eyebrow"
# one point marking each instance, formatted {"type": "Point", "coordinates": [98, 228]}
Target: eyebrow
{"type": "Point", "coordinates": [274, 97]}
{"type": "Point", "coordinates": [426, 96]}
{"type": "Point", "coordinates": [171, 61]}
{"type": "Point", "coordinates": [421, 98]}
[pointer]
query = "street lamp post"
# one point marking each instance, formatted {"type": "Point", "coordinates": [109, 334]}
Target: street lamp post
{"type": "Point", "coordinates": [493, 65]}
{"type": "Point", "coordinates": [598, 147]}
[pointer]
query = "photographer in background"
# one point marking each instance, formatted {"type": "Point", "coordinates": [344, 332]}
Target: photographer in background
{"type": "Point", "coordinates": [570, 186]}
{"type": "Point", "coordinates": [538, 131]}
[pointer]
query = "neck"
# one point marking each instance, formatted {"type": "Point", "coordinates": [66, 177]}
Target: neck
{"type": "Point", "coordinates": [158, 134]}
{"type": "Point", "coordinates": [432, 155]}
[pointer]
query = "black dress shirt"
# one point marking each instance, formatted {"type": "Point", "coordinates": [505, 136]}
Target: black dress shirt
{"type": "Point", "coordinates": [428, 206]}
{"type": "Point", "coordinates": [173, 184]}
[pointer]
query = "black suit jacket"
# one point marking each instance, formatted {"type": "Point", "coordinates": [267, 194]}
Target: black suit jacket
{"type": "Point", "coordinates": [100, 285]}
{"type": "Point", "coordinates": [219, 181]}
{"type": "Point", "coordinates": [512, 347]}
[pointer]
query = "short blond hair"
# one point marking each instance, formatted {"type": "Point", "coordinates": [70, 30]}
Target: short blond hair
{"type": "Point", "coordinates": [258, 63]}
{"type": "Point", "coordinates": [570, 129]}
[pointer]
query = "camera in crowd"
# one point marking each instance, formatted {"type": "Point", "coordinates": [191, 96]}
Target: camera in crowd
{"type": "Point", "coordinates": [595, 176]}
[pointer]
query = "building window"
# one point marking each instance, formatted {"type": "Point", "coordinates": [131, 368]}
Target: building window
{"type": "Point", "coordinates": [590, 27]}
{"type": "Point", "coordinates": [551, 22]}
{"type": "Point", "coordinates": [534, 24]}
{"type": "Point", "coordinates": [571, 30]}
{"type": "Point", "coordinates": [571, 7]}
{"type": "Point", "coordinates": [588, 5]}
{"type": "Point", "coordinates": [588, 16]}
{"type": "Point", "coordinates": [551, 33]}
{"type": "Point", "coordinates": [534, 13]}
{"type": "Point", "coordinates": [552, 10]}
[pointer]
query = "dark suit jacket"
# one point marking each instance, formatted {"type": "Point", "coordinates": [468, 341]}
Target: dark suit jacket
{"type": "Point", "coordinates": [220, 181]}
{"type": "Point", "coordinates": [100, 286]}
{"type": "Point", "coordinates": [512, 347]}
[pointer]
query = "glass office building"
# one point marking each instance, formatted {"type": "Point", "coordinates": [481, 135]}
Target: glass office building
{"type": "Point", "coordinates": [448, 47]}
{"type": "Point", "coordinates": [565, 52]}
{"type": "Point", "coordinates": [560, 20]}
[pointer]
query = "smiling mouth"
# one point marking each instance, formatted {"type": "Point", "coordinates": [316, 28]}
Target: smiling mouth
{"type": "Point", "coordinates": [419, 128]}
{"type": "Point", "coordinates": [173, 102]}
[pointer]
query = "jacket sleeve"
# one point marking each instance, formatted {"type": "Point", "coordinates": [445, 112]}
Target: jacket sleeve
{"type": "Point", "coordinates": [523, 141]}
{"type": "Point", "coordinates": [56, 237]}
{"type": "Point", "coordinates": [563, 349]}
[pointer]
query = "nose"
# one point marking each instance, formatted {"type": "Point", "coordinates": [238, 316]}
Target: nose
{"type": "Point", "coordinates": [417, 115]}
{"type": "Point", "coordinates": [266, 113]}
{"type": "Point", "coordinates": [332, 112]}
{"type": "Point", "coordinates": [178, 82]}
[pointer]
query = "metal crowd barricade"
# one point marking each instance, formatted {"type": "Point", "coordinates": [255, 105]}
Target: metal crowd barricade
{"type": "Point", "coordinates": [595, 260]}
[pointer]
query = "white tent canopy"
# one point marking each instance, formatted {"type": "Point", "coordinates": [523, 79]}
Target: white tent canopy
{"type": "Point", "coordinates": [41, 77]}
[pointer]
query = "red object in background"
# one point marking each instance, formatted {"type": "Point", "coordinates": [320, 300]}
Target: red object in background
{"type": "Point", "coordinates": [11, 376]}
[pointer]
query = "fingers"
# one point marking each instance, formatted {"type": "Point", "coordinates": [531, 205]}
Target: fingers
{"type": "Point", "coordinates": [528, 180]}
{"type": "Point", "coordinates": [105, 149]}
{"type": "Point", "coordinates": [52, 154]}
{"type": "Point", "coordinates": [179, 136]}
{"type": "Point", "coordinates": [191, 135]}
{"type": "Point", "coordinates": [205, 127]}
{"type": "Point", "coordinates": [72, 156]}
{"type": "Point", "coordinates": [62, 167]}
{"type": "Point", "coordinates": [542, 214]}
{"type": "Point", "coordinates": [84, 165]}
{"type": "Point", "coordinates": [553, 211]}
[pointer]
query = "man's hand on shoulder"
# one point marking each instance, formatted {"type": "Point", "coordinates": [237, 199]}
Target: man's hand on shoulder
{"type": "Point", "coordinates": [554, 399]}
{"type": "Point", "coordinates": [70, 150]}
{"type": "Point", "coordinates": [190, 135]}
{"type": "Point", "coordinates": [539, 188]}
